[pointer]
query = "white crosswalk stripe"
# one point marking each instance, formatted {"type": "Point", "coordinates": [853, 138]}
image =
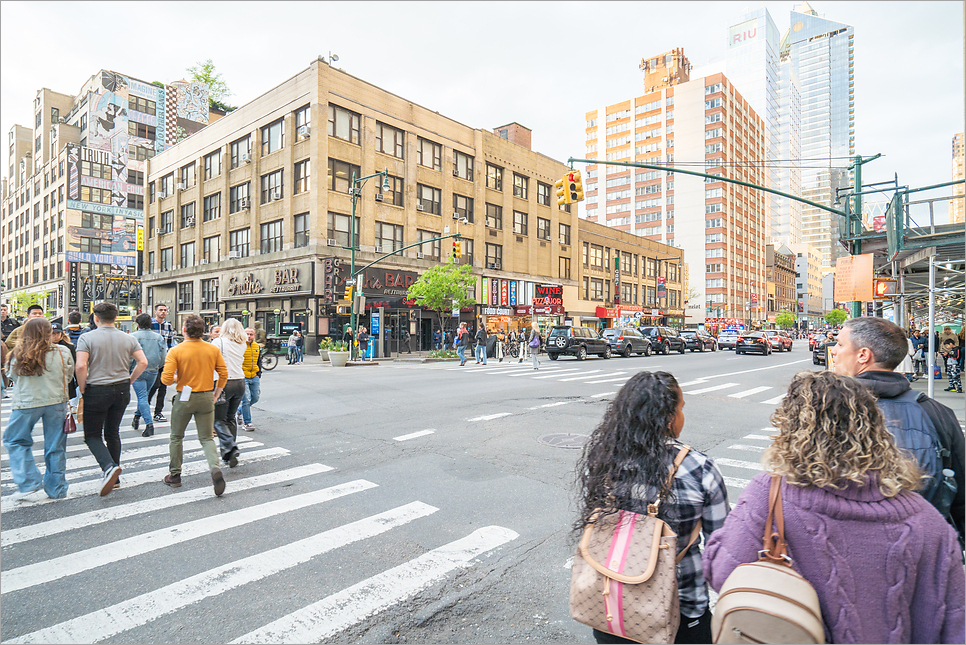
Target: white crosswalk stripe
{"type": "Point", "coordinates": [754, 390]}
{"type": "Point", "coordinates": [713, 388]}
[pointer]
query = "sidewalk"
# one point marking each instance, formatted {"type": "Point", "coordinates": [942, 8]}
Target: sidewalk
{"type": "Point", "coordinates": [950, 399]}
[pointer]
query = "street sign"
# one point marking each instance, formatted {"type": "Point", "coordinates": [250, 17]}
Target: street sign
{"type": "Point", "coordinates": [350, 282]}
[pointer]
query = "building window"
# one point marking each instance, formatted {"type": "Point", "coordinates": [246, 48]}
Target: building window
{"type": "Point", "coordinates": [494, 256]}
{"type": "Point", "coordinates": [338, 229]}
{"type": "Point", "coordinates": [302, 176]}
{"type": "Point", "coordinates": [212, 248]}
{"type": "Point", "coordinates": [137, 153]}
{"type": "Point", "coordinates": [187, 255]}
{"type": "Point", "coordinates": [272, 189]}
{"type": "Point", "coordinates": [135, 201]}
{"type": "Point", "coordinates": [543, 193]}
{"type": "Point", "coordinates": [151, 262]}
{"type": "Point", "coordinates": [343, 124]}
{"type": "Point", "coordinates": [213, 164]}
{"type": "Point", "coordinates": [565, 233]}
{"type": "Point", "coordinates": [466, 251]}
{"type": "Point", "coordinates": [167, 185]}
{"type": "Point", "coordinates": [150, 231]}
{"type": "Point", "coordinates": [209, 293]}
{"type": "Point", "coordinates": [596, 289]}
{"type": "Point", "coordinates": [139, 104]}
{"type": "Point", "coordinates": [167, 222]}
{"type": "Point", "coordinates": [151, 192]}
{"type": "Point", "coordinates": [341, 174]}
{"type": "Point", "coordinates": [395, 193]}
{"type": "Point", "coordinates": [389, 237]}
{"type": "Point", "coordinates": [543, 228]}
{"type": "Point", "coordinates": [494, 216]}
{"type": "Point", "coordinates": [141, 130]}
{"type": "Point", "coordinates": [185, 296]}
{"type": "Point", "coordinates": [429, 154]}
{"type": "Point", "coordinates": [494, 177]}
{"type": "Point", "coordinates": [462, 165]}
{"type": "Point", "coordinates": [239, 242]}
{"type": "Point", "coordinates": [301, 230]}
{"type": "Point", "coordinates": [429, 199]}
{"type": "Point", "coordinates": [271, 237]}
{"type": "Point", "coordinates": [241, 151]}
{"type": "Point", "coordinates": [167, 259]}
{"type": "Point", "coordinates": [187, 215]}
{"type": "Point", "coordinates": [596, 256]}
{"type": "Point", "coordinates": [212, 207]}
{"type": "Point", "coordinates": [463, 206]}
{"type": "Point", "coordinates": [273, 137]}
{"type": "Point", "coordinates": [430, 249]}
{"type": "Point", "coordinates": [389, 140]}
{"type": "Point", "coordinates": [238, 198]}
{"type": "Point", "coordinates": [564, 268]}
{"type": "Point", "coordinates": [519, 223]}
{"type": "Point", "coordinates": [303, 117]}
{"type": "Point", "coordinates": [520, 186]}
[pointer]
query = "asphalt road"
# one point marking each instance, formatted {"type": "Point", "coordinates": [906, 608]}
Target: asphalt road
{"type": "Point", "coordinates": [402, 502]}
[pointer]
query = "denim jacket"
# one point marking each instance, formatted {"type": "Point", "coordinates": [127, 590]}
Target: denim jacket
{"type": "Point", "coordinates": [47, 389]}
{"type": "Point", "coordinates": [155, 349]}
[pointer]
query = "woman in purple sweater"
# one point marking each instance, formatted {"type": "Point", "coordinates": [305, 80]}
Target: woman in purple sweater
{"type": "Point", "coordinates": [885, 564]}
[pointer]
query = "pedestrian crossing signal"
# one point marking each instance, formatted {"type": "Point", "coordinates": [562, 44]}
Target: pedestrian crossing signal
{"type": "Point", "coordinates": [884, 288]}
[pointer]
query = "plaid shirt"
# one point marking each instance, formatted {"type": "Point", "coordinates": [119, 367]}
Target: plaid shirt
{"type": "Point", "coordinates": [699, 493]}
{"type": "Point", "coordinates": [166, 330]}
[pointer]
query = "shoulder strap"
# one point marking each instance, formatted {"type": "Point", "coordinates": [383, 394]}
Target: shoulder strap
{"type": "Point", "coordinates": [696, 532]}
{"type": "Point", "coordinates": [774, 548]}
{"type": "Point", "coordinates": [64, 366]}
{"type": "Point", "coordinates": [682, 453]}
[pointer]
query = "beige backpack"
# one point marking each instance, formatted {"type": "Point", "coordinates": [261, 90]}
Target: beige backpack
{"type": "Point", "coordinates": [624, 580]}
{"type": "Point", "coordinates": [767, 601]}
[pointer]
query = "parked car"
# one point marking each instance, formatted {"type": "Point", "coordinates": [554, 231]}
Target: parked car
{"type": "Point", "coordinates": [819, 352]}
{"type": "Point", "coordinates": [698, 341]}
{"type": "Point", "coordinates": [575, 341]}
{"type": "Point", "coordinates": [626, 341]}
{"type": "Point", "coordinates": [664, 339]}
{"type": "Point", "coordinates": [728, 338]}
{"type": "Point", "coordinates": [753, 341]}
{"type": "Point", "coordinates": [813, 338]}
{"type": "Point", "coordinates": [780, 340]}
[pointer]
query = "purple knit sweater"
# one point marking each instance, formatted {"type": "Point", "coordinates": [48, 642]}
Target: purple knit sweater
{"type": "Point", "coordinates": [886, 570]}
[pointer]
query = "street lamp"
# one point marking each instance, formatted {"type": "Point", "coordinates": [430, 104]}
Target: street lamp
{"type": "Point", "coordinates": [356, 192]}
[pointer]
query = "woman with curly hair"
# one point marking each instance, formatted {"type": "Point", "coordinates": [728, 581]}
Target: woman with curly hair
{"type": "Point", "coordinates": [41, 373]}
{"type": "Point", "coordinates": [625, 466]}
{"type": "Point", "coordinates": [885, 564]}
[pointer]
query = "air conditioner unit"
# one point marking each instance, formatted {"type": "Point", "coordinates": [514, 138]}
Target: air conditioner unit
{"type": "Point", "coordinates": [276, 194]}
{"type": "Point", "coordinates": [492, 265]}
{"type": "Point", "coordinates": [180, 301]}
{"type": "Point", "coordinates": [420, 256]}
{"type": "Point", "coordinates": [190, 220]}
{"type": "Point", "coordinates": [243, 203]}
{"type": "Point", "coordinates": [420, 207]}
{"type": "Point", "coordinates": [233, 255]}
{"type": "Point", "coordinates": [180, 185]}
{"type": "Point", "coordinates": [547, 238]}
{"type": "Point", "coordinates": [304, 131]}
{"type": "Point", "coordinates": [162, 194]}
{"type": "Point", "coordinates": [380, 197]}
{"type": "Point", "coordinates": [203, 262]}
{"type": "Point", "coordinates": [246, 158]}
{"type": "Point", "coordinates": [456, 173]}
{"type": "Point", "coordinates": [158, 231]}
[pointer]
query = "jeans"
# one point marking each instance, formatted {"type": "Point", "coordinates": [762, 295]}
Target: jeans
{"type": "Point", "coordinates": [225, 424]}
{"type": "Point", "coordinates": [461, 352]}
{"type": "Point", "coordinates": [533, 353]}
{"type": "Point", "coordinates": [200, 405]}
{"type": "Point", "coordinates": [104, 407]}
{"type": "Point", "coordinates": [161, 389]}
{"type": "Point", "coordinates": [481, 353]}
{"type": "Point", "coordinates": [292, 353]}
{"type": "Point", "coordinates": [142, 386]}
{"type": "Point", "coordinates": [253, 388]}
{"type": "Point", "coordinates": [18, 442]}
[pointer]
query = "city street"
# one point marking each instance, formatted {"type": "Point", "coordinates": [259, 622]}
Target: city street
{"type": "Point", "coordinates": [402, 502]}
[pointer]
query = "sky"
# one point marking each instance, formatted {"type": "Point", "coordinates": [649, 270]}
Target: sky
{"type": "Point", "coordinates": [485, 64]}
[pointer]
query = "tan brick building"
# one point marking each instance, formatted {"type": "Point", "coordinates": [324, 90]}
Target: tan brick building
{"type": "Point", "coordinates": [780, 268]}
{"type": "Point", "coordinates": [242, 222]}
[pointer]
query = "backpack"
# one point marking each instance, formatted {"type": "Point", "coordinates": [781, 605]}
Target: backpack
{"type": "Point", "coordinates": [624, 579]}
{"type": "Point", "coordinates": [767, 601]}
{"type": "Point", "coordinates": [915, 432]}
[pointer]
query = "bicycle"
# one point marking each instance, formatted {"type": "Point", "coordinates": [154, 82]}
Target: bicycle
{"type": "Point", "coordinates": [267, 358]}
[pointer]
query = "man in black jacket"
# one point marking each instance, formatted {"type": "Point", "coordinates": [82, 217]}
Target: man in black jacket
{"type": "Point", "coordinates": [481, 345]}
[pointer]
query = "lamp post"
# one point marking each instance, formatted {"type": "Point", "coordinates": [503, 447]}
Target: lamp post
{"type": "Point", "coordinates": [356, 192]}
{"type": "Point", "coordinates": [278, 313]}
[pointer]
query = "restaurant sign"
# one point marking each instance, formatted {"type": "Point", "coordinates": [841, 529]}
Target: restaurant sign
{"type": "Point", "coordinates": [292, 279]}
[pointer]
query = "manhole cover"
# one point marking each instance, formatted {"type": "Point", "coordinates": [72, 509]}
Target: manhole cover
{"type": "Point", "coordinates": [563, 440]}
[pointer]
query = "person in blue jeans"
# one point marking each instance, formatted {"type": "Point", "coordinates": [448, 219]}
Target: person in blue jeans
{"type": "Point", "coordinates": [253, 385]}
{"type": "Point", "coordinates": [461, 341]}
{"type": "Point", "coordinates": [155, 349]}
{"type": "Point", "coordinates": [481, 337]}
{"type": "Point", "coordinates": [41, 373]}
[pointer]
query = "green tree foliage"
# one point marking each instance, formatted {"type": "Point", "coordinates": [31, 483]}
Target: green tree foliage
{"type": "Point", "coordinates": [836, 317]}
{"type": "Point", "coordinates": [217, 88]}
{"type": "Point", "coordinates": [785, 320]}
{"type": "Point", "coordinates": [20, 302]}
{"type": "Point", "coordinates": [444, 287]}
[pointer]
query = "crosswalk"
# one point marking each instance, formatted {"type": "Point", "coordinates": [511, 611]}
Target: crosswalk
{"type": "Point", "coordinates": [739, 462]}
{"type": "Point", "coordinates": [54, 547]}
{"type": "Point", "coordinates": [614, 378]}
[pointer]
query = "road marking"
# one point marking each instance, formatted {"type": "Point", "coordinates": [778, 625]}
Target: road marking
{"type": "Point", "coordinates": [586, 374]}
{"type": "Point", "coordinates": [735, 463]}
{"type": "Point", "coordinates": [712, 388]}
{"type": "Point", "coordinates": [129, 479]}
{"type": "Point", "coordinates": [63, 524]}
{"type": "Point", "coordinates": [141, 610]}
{"type": "Point", "coordinates": [488, 417]}
{"type": "Point", "coordinates": [775, 401]}
{"type": "Point", "coordinates": [125, 441]}
{"type": "Point", "coordinates": [611, 380]}
{"type": "Point", "coordinates": [768, 430]}
{"type": "Point", "coordinates": [555, 375]}
{"type": "Point", "coordinates": [569, 564]}
{"type": "Point", "coordinates": [741, 446]}
{"type": "Point", "coordinates": [323, 619]}
{"type": "Point", "coordinates": [736, 483]}
{"type": "Point", "coordinates": [758, 369]}
{"type": "Point", "coordinates": [550, 405]}
{"type": "Point", "coordinates": [64, 566]}
{"type": "Point", "coordinates": [757, 436]}
{"type": "Point", "coordinates": [754, 390]}
{"type": "Point", "coordinates": [407, 437]}
{"type": "Point", "coordinates": [602, 394]}
{"type": "Point", "coordinates": [694, 382]}
{"type": "Point", "coordinates": [546, 369]}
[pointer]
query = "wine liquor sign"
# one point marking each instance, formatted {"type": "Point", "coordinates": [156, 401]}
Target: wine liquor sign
{"type": "Point", "coordinates": [294, 279]}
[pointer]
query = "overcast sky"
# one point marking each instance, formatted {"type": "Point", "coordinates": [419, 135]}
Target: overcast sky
{"type": "Point", "coordinates": [484, 64]}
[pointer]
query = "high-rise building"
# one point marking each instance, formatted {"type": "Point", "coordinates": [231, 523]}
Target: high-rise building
{"type": "Point", "coordinates": [818, 54]}
{"type": "Point", "coordinates": [957, 207]}
{"type": "Point", "coordinates": [701, 124]}
{"type": "Point", "coordinates": [73, 203]}
{"type": "Point", "coordinates": [808, 283]}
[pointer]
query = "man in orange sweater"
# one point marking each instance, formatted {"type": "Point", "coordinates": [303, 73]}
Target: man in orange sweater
{"type": "Point", "coordinates": [192, 364]}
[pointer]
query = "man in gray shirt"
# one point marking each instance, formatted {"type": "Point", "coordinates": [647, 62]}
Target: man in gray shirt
{"type": "Point", "coordinates": [104, 381]}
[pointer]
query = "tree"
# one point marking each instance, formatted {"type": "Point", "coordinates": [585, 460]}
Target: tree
{"type": "Point", "coordinates": [444, 288]}
{"type": "Point", "coordinates": [836, 317]}
{"type": "Point", "coordinates": [785, 320]}
{"type": "Point", "coordinates": [217, 88]}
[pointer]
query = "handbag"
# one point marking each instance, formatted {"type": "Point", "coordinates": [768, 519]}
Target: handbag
{"type": "Point", "coordinates": [535, 341]}
{"type": "Point", "coordinates": [767, 601]}
{"type": "Point", "coordinates": [624, 580]}
{"type": "Point", "coordinates": [70, 424]}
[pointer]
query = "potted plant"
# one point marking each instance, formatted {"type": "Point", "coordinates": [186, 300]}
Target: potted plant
{"type": "Point", "coordinates": [338, 353]}
{"type": "Point", "coordinates": [325, 344]}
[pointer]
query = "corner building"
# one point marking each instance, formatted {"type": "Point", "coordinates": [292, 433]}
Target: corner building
{"type": "Point", "coordinates": [242, 221]}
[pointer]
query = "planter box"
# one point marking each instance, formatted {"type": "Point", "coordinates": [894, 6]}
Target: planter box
{"type": "Point", "coordinates": [338, 359]}
{"type": "Point", "coordinates": [324, 354]}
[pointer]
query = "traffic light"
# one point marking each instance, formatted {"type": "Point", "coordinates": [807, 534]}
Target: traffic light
{"type": "Point", "coordinates": [563, 195]}
{"type": "Point", "coordinates": [457, 253]}
{"type": "Point", "coordinates": [884, 288]}
{"type": "Point", "coordinates": [348, 292]}
{"type": "Point", "coordinates": [575, 186]}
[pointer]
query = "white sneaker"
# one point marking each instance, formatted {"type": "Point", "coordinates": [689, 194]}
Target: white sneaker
{"type": "Point", "coordinates": [24, 496]}
{"type": "Point", "coordinates": [110, 479]}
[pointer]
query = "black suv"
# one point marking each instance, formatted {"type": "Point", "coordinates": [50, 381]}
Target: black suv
{"type": "Point", "coordinates": [664, 339]}
{"type": "Point", "coordinates": [698, 341]}
{"type": "Point", "coordinates": [575, 341]}
{"type": "Point", "coordinates": [626, 341]}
